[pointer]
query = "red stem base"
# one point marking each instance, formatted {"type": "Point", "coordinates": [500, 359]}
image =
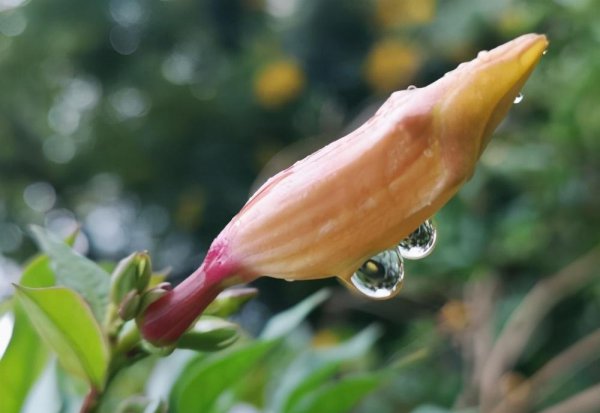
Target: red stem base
{"type": "Point", "coordinates": [165, 320]}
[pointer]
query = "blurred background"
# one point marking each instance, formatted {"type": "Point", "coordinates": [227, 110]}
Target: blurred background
{"type": "Point", "coordinates": [151, 122]}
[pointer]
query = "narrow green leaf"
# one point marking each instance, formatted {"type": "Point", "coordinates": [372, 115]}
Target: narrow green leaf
{"type": "Point", "coordinates": [288, 320]}
{"type": "Point", "coordinates": [75, 271]}
{"type": "Point", "coordinates": [200, 385]}
{"type": "Point", "coordinates": [340, 396]}
{"type": "Point", "coordinates": [308, 383]}
{"type": "Point", "coordinates": [67, 325]}
{"type": "Point", "coordinates": [311, 369]}
{"type": "Point", "coordinates": [25, 347]}
{"type": "Point", "coordinates": [21, 363]}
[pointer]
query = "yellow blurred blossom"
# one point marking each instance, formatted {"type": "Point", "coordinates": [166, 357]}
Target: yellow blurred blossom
{"type": "Point", "coordinates": [325, 338]}
{"type": "Point", "coordinates": [391, 64]}
{"type": "Point", "coordinates": [392, 13]}
{"type": "Point", "coordinates": [278, 83]}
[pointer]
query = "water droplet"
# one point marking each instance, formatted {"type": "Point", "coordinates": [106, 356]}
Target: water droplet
{"type": "Point", "coordinates": [519, 98]}
{"type": "Point", "coordinates": [381, 275]}
{"type": "Point", "coordinates": [419, 243]}
{"type": "Point", "coordinates": [482, 53]}
{"type": "Point", "coordinates": [544, 52]}
{"type": "Point", "coordinates": [411, 87]}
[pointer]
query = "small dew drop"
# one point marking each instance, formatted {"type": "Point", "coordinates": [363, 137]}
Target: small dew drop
{"type": "Point", "coordinates": [411, 87]}
{"type": "Point", "coordinates": [544, 52]}
{"type": "Point", "coordinates": [482, 53]}
{"type": "Point", "coordinates": [518, 99]}
{"type": "Point", "coordinates": [381, 276]}
{"type": "Point", "coordinates": [419, 243]}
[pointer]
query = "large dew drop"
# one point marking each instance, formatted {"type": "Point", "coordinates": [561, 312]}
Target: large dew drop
{"type": "Point", "coordinates": [419, 243]}
{"type": "Point", "coordinates": [381, 276]}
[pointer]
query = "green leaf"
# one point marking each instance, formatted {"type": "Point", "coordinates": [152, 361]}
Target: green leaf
{"type": "Point", "coordinates": [288, 320]}
{"type": "Point", "coordinates": [67, 325]}
{"type": "Point", "coordinates": [340, 396]}
{"type": "Point", "coordinates": [75, 271]}
{"type": "Point", "coordinates": [24, 347]}
{"type": "Point", "coordinates": [311, 369]}
{"type": "Point", "coordinates": [205, 379]}
{"type": "Point", "coordinates": [38, 273]}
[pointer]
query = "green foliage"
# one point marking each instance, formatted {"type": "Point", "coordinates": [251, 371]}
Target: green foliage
{"type": "Point", "coordinates": [24, 347]}
{"type": "Point", "coordinates": [311, 369]}
{"type": "Point", "coordinates": [214, 376]}
{"type": "Point", "coordinates": [67, 325]}
{"type": "Point", "coordinates": [338, 397]}
{"type": "Point", "coordinates": [75, 271]}
{"type": "Point", "coordinates": [285, 322]}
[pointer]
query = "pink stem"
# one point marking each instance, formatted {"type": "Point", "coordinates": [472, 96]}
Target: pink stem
{"type": "Point", "coordinates": [165, 320]}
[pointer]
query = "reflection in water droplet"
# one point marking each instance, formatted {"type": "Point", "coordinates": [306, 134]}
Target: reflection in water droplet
{"type": "Point", "coordinates": [519, 98]}
{"type": "Point", "coordinates": [420, 242]}
{"type": "Point", "coordinates": [411, 87]}
{"type": "Point", "coordinates": [381, 275]}
{"type": "Point", "coordinates": [544, 52]}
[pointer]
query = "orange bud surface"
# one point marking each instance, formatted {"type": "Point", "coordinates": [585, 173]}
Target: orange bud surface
{"type": "Point", "coordinates": [328, 213]}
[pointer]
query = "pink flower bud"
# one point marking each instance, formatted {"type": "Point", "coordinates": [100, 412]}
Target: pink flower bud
{"type": "Point", "coordinates": [328, 213]}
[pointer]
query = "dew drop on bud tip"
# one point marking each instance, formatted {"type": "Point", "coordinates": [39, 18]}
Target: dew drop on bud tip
{"type": "Point", "coordinates": [411, 87]}
{"type": "Point", "coordinates": [380, 276]}
{"type": "Point", "coordinates": [519, 98]}
{"type": "Point", "coordinates": [419, 243]}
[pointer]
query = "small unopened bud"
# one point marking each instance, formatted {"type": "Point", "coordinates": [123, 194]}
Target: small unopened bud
{"type": "Point", "coordinates": [230, 301]}
{"type": "Point", "coordinates": [152, 295]}
{"type": "Point", "coordinates": [132, 273]}
{"type": "Point", "coordinates": [209, 334]}
{"type": "Point", "coordinates": [144, 270]}
{"type": "Point", "coordinates": [162, 351]}
{"type": "Point", "coordinates": [129, 307]}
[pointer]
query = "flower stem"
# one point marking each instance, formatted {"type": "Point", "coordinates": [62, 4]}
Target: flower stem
{"type": "Point", "coordinates": [165, 320]}
{"type": "Point", "coordinates": [90, 403]}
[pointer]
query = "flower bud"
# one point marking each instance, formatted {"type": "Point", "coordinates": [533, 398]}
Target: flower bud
{"type": "Point", "coordinates": [132, 273]}
{"type": "Point", "coordinates": [130, 305]}
{"type": "Point", "coordinates": [209, 334]}
{"type": "Point", "coordinates": [230, 301]}
{"type": "Point", "coordinates": [328, 213]}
